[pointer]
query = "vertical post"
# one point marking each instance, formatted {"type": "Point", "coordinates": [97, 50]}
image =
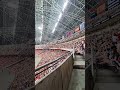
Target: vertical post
{"type": "Point", "coordinates": [74, 52]}
{"type": "Point", "coordinates": [92, 59]}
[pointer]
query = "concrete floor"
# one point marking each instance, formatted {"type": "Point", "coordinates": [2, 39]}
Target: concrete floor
{"type": "Point", "coordinates": [78, 75]}
{"type": "Point", "coordinates": [78, 80]}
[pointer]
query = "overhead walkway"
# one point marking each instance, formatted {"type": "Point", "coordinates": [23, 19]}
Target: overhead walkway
{"type": "Point", "coordinates": [77, 81]}
{"type": "Point", "coordinates": [107, 80]}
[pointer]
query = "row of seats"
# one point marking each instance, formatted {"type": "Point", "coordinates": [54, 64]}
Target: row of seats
{"type": "Point", "coordinates": [74, 36]}
{"type": "Point", "coordinates": [49, 55]}
{"type": "Point", "coordinates": [77, 44]}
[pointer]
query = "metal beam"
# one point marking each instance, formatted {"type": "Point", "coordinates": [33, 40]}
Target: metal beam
{"type": "Point", "coordinates": [67, 16]}
{"type": "Point", "coordinates": [81, 2]}
{"type": "Point", "coordinates": [52, 5]}
{"type": "Point", "coordinates": [76, 6]}
{"type": "Point", "coordinates": [60, 22]}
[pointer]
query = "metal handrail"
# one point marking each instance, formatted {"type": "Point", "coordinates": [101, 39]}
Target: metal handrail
{"type": "Point", "coordinates": [29, 88]}
{"type": "Point", "coordinates": [40, 67]}
{"type": "Point", "coordinates": [46, 65]}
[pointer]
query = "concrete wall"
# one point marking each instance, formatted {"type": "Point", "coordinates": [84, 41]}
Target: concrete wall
{"type": "Point", "coordinates": [58, 79]}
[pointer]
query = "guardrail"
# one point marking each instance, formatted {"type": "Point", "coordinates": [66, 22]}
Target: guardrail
{"type": "Point", "coordinates": [44, 70]}
{"type": "Point", "coordinates": [61, 42]}
{"type": "Point", "coordinates": [54, 75]}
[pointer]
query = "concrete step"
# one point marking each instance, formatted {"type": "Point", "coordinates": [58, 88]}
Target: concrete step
{"type": "Point", "coordinates": [107, 76]}
{"type": "Point", "coordinates": [108, 79]}
{"type": "Point", "coordinates": [106, 72]}
{"type": "Point", "coordinates": [79, 62]}
{"type": "Point", "coordinates": [79, 65]}
{"type": "Point", "coordinates": [79, 58]}
{"type": "Point", "coordinates": [107, 86]}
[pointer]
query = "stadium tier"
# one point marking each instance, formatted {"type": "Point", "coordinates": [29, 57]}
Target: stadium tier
{"type": "Point", "coordinates": [51, 52]}
{"type": "Point", "coordinates": [78, 44]}
{"type": "Point", "coordinates": [103, 43]}
{"type": "Point", "coordinates": [59, 44]}
{"type": "Point", "coordinates": [50, 60]}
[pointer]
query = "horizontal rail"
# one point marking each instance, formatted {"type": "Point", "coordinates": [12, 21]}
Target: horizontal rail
{"type": "Point", "coordinates": [50, 62]}
{"type": "Point", "coordinates": [58, 66]}
{"type": "Point", "coordinates": [45, 70]}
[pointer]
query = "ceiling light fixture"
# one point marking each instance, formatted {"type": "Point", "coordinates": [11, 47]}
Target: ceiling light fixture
{"type": "Point", "coordinates": [59, 17]}
{"type": "Point", "coordinates": [40, 28]}
{"type": "Point", "coordinates": [64, 6]}
{"type": "Point", "coordinates": [40, 38]}
{"type": "Point", "coordinates": [55, 27]}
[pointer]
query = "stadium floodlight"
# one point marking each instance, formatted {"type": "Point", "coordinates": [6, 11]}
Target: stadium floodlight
{"type": "Point", "coordinates": [53, 30]}
{"type": "Point", "coordinates": [55, 27]}
{"type": "Point", "coordinates": [59, 17]}
{"type": "Point", "coordinates": [42, 16]}
{"type": "Point", "coordinates": [40, 38]}
{"type": "Point", "coordinates": [65, 5]}
{"type": "Point", "coordinates": [57, 22]}
{"type": "Point", "coordinates": [40, 28]}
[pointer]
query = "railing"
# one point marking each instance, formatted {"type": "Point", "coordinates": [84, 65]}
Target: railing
{"type": "Point", "coordinates": [55, 75]}
{"type": "Point", "coordinates": [77, 35]}
{"type": "Point", "coordinates": [63, 40]}
{"type": "Point", "coordinates": [46, 69]}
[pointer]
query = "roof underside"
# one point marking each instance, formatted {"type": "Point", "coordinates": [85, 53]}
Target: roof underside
{"type": "Point", "coordinates": [48, 14]}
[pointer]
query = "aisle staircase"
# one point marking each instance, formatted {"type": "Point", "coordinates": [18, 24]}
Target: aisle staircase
{"type": "Point", "coordinates": [79, 62]}
{"type": "Point", "coordinates": [107, 80]}
{"type": "Point", "coordinates": [78, 75]}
